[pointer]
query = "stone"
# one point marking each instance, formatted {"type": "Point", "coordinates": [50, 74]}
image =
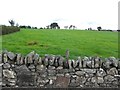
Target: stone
{"type": "Point", "coordinates": [85, 59]}
{"type": "Point", "coordinates": [62, 82]}
{"type": "Point", "coordinates": [30, 57]}
{"type": "Point", "coordinates": [40, 68]}
{"type": "Point", "coordinates": [113, 61]}
{"type": "Point", "coordinates": [89, 64]}
{"type": "Point", "coordinates": [97, 62]}
{"type": "Point", "coordinates": [74, 63]}
{"type": "Point", "coordinates": [11, 55]}
{"type": "Point", "coordinates": [93, 79]}
{"type": "Point", "coordinates": [66, 64]}
{"type": "Point", "coordinates": [107, 63]}
{"type": "Point", "coordinates": [100, 80]}
{"type": "Point", "coordinates": [56, 62]}
{"type": "Point", "coordinates": [101, 72]}
{"type": "Point", "coordinates": [6, 66]}
{"type": "Point", "coordinates": [109, 78]}
{"type": "Point", "coordinates": [80, 73]}
{"type": "Point", "coordinates": [113, 71]}
{"type": "Point", "coordinates": [51, 72]}
{"type": "Point", "coordinates": [70, 64]}
{"type": "Point", "coordinates": [8, 74]}
{"type": "Point", "coordinates": [60, 61]}
{"type": "Point", "coordinates": [18, 59]}
{"type": "Point", "coordinates": [46, 61]}
{"type": "Point", "coordinates": [89, 70]}
{"type": "Point", "coordinates": [51, 60]}
{"type": "Point", "coordinates": [12, 80]}
{"type": "Point", "coordinates": [5, 58]}
{"type": "Point", "coordinates": [80, 62]}
{"type": "Point", "coordinates": [36, 58]}
{"type": "Point", "coordinates": [0, 58]}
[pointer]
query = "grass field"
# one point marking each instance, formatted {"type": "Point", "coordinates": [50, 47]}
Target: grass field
{"type": "Point", "coordinates": [78, 42]}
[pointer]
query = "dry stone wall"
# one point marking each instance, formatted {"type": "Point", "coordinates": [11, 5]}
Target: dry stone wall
{"type": "Point", "coordinates": [53, 71]}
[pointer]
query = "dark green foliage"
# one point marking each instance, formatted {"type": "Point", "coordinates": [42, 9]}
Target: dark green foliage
{"type": "Point", "coordinates": [8, 29]}
{"type": "Point", "coordinates": [12, 23]}
{"type": "Point", "coordinates": [54, 26]}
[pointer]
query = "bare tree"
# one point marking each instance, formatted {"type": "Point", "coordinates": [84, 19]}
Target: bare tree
{"type": "Point", "coordinates": [12, 22]}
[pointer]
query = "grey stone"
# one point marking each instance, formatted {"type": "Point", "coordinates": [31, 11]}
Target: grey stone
{"type": "Point", "coordinates": [41, 68]}
{"type": "Point", "coordinates": [18, 58]}
{"type": "Point", "coordinates": [80, 73]}
{"type": "Point", "coordinates": [93, 79]}
{"type": "Point", "coordinates": [0, 58]}
{"type": "Point", "coordinates": [51, 72]}
{"type": "Point", "coordinates": [114, 61]}
{"type": "Point", "coordinates": [89, 64]}
{"type": "Point", "coordinates": [32, 66]}
{"type": "Point", "coordinates": [6, 66]}
{"type": "Point", "coordinates": [12, 80]}
{"type": "Point", "coordinates": [60, 61]}
{"type": "Point", "coordinates": [85, 59]}
{"type": "Point", "coordinates": [100, 80]}
{"type": "Point", "coordinates": [89, 70]}
{"type": "Point", "coordinates": [80, 62]}
{"type": "Point", "coordinates": [62, 82]}
{"type": "Point", "coordinates": [8, 74]}
{"type": "Point", "coordinates": [107, 63]}
{"type": "Point", "coordinates": [11, 55]}
{"type": "Point", "coordinates": [74, 63]}
{"type": "Point", "coordinates": [56, 62]}
{"type": "Point", "coordinates": [51, 60]}
{"type": "Point", "coordinates": [109, 78]}
{"type": "Point", "coordinates": [70, 64]}
{"type": "Point", "coordinates": [97, 62]}
{"type": "Point", "coordinates": [30, 57]}
{"type": "Point", "coordinates": [101, 72]}
{"type": "Point", "coordinates": [112, 71]}
{"type": "Point", "coordinates": [46, 62]}
{"type": "Point", "coordinates": [5, 58]}
{"type": "Point", "coordinates": [36, 58]}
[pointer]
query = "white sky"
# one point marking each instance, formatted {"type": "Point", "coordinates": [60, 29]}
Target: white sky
{"type": "Point", "coordinates": [82, 13]}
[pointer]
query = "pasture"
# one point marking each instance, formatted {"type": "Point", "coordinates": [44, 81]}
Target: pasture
{"type": "Point", "coordinates": [78, 42]}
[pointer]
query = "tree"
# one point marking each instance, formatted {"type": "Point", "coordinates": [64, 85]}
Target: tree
{"type": "Point", "coordinates": [99, 28]}
{"type": "Point", "coordinates": [54, 25]}
{"type": "Point", "coordinates": [12, 23]}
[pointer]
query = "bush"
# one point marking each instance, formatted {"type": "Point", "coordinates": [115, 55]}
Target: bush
{"type": "Point", "coordinates": [8, 29]}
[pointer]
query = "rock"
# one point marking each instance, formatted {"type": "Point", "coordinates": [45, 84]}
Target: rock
{"type": "Point", "coordinates": [0, 58]}
{"type": "Point", "coordinates": [85, 59]}
{"type": "Point", "coordinates": [8, 74]}
{"type": "Point", "coordinates": [60, 61]}
{"type": "Point", "coordinates": [89, 64]}
{"type": "Point", "coordinates": [80, 62]}
{"type": "Point", "coordinates": [109, 78]}
{"type": "Point", "coordinates": [6, 66]}
{"type": "Point", "coordinates": [107, 63]}
{"type": "Point", "coordinates": [5, 58]}
{"type": "Point", "coordinates": [51, 60]}
{"type": "Point", "coordinates": [22, 68]}
{"type": "Point", "coordinates": [70, 64]}
{"type": "Point", "coordinates": [36, 58]}
{"type": "Point", "coordinates": [83, 79]}
{"type": "Point", "coordinates": [66, 64]}
{"type": "Point", "coordinates": [62, 82]}
{"type": "Point", "coordinates": [114, 61]}
{"type": "Point", "coordinates": [97, 62]}
{"type": "Point", "coordinates": [46, 61]}
{"type": "Point", "coordinates": [89, 70]}
{"type": "Point", "coordinates": [74, 63]}
{"type": "Point", "coordinates": [100, 73]}
{"type": "Point", "coordinates": [93, 79]}
{"type": "Point", "coordinates": [80, 73]}
{"type": "Point", "coordinates": [11, 55]}
{"type": "Point", "coordinates": [30, 57]}
{"type": "Point", "coordinates": [32, 67]}
{"type": "Point", "coordinates": [12, 81]}
{"type": "Point", "coordinates": [18, 59]}
{"type": "Point", "coordinates": [112, 71]}
{"type": "Point", "coordinates": [56, 62]}
{"type": "Point", "coordinates": [51, 72]}
{"type": "Point", "coordinates": [100, 80]}
{"type": "Point", "coordinates": [41, 68]}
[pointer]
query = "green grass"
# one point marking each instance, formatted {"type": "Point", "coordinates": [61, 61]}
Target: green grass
{"type": "Point", "coordinates": [79, 42]}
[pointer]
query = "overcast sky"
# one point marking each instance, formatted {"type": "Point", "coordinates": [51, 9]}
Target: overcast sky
{"type": "Point", "coordinates": [40, 13]}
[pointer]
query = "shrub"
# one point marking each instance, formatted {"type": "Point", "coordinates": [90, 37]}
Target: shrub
{"type": "Point", "coordinates": [8, 29]}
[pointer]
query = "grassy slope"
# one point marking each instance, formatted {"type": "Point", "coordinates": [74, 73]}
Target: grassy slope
{"type": "Point", "coordinates": [80, 43]}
